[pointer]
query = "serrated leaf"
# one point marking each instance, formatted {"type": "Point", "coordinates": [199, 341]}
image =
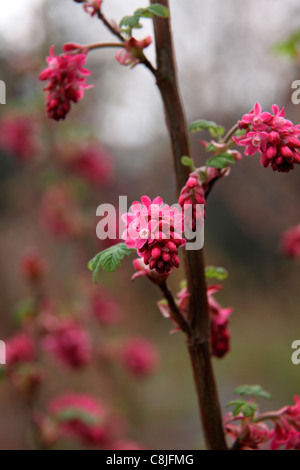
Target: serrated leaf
{"type": "Point", "coordinates": [109, 260]}
{"type": "Point", "coordinates": [200, 125]}
{"type": "Point", "coordinates": [220, 161]}
{"type": "Point", "coordinates": [252, 390]}
{"type": "Point", "coordinates": [187, 161]}
{"type": "Point", "coordinates": [213, 272]}
{"type": "Point", "coordinates": [241, 406]}
{"type": "Point", "coordinates": [130, 21]}
{"type": "Point", "coordinates": [159, 10]}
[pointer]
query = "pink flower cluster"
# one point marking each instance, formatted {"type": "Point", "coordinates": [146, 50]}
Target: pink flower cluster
{"type": "Point", "coordinates": [273, 136]}
{"type": "Point", "coordinates": [20, 348]}
{"type": "Point", "coordinates": [290, 242]}
{"type": "Point", "coordinates": [105, 309]}
{"type": "Point", "coordinates": [67, 81]}
{"type": "Point", "coordinates": [286, 431]}
{"type": "Point", "coordinates": [91, 163]}
{"type": "Point", "coordinates": [192, 194]}
{"type": "Point", "coordinates": [18, 136]}
{"type": "Point", "coordinates": [155, 229]}
{"type": "Point", "coordinates": [80, 417]}
{"type": "Point", "coordinates": [69, 342]}
{"type": "Point", "coordinates": [33, 267]}
{"type": "Point", "coordinates": [132, 52]}
{"type": "Point", "coordinates": [219, 317]}
{"type": "Point", "coordinates": [247, 434]}
{"type": "Point", "coordinates": [139, 357]}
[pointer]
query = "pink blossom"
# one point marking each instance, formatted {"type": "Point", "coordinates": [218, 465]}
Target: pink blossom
{"type": "Point", "coordinates": [155, 229]}
{"type": "Point", "coordinates": [67, 82]}
{"type": "Point", "coordinates": [132, 52]}
{"type": "Point", "coordinates": [286, 431]}
{"type": "Point", "coordinates": [192, 194]}
{"type": "Point", "coordinates": [59, 213]}
{"type": "Point", "coordinates": [290, 242]}
{"type": "Point", "coordinates": [139, 357]}
{"type": "Point", "coordinates": [32, 266]}
{"type": "Point", "coordinates": [20, 348]}
{"type": "Point", "coordinates": [273, 136]}
{"type": "Point", "coordinates": [248, 434]}
{"type": "Point", "coordinates": [69, 343]}
{"type": "Point", "coordinates": [92, 6]}
{"type": "Point", "coordinates": [19, 136]}
{"type": "Point", "coordinates": [220, 335]}
{"type": "Point", "coordinates": [91, 163]}
{"type": "Point", "coordinates": [105, 309]}
{"type": "Point", "coordinates": [143, 270]}
{"type": "Point", "coordinates": [80, 417]}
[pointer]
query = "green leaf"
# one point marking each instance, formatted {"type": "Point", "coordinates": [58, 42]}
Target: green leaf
{"type": "Point", "coordinates": [187, 161]}
{"type": "Point", "coordinates": [252, 390]}
{"type": "Point", "coordinates": [159, 10]}
{"type": "Point", "coordinates": [241, 406]}
{"type": "Point", "coordinates": [130, 21]}
{"type": "Point", "coordinates": [109, 260]}
{"type": "Point", "coordinates": [290, 47]}
{"type": "Point", "coordinates": [220, 161]}
{"type": "Point", "coordinates": [200, 125]}
{"type": "Point", "coordinates": [24, 310]}
{"type": "Point", "coordinates": [70, 414]}
{"type": "Point", "coordinates": [213, 272]}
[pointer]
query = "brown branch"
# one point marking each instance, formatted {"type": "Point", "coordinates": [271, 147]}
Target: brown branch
{"type": "Point", "coordinates": [175, 312]}
{"type": "Point", "coordinates": [199, 318]}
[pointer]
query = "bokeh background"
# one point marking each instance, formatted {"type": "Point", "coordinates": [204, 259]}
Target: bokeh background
{"type": "Point", "coordinates": [226, 63]}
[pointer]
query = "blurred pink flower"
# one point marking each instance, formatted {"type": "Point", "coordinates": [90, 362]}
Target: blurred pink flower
{"type": "Point", "coordinates": [286, 431]}
{"type": "Point", "coordinates": [70, 343]}
{"type": "Point", "coordinates": [290, 242]}
{"type": "Point", "coordinates": [139, 356]}
{"type": "Point", "coordinates": [273, 136]}
{"type": "Point", "coordinates": [220, 335]}
{"type": "Point", "coordinates": [33, 267]}
{"type": "Point", "coordinates": [124, 444]}
{"type": "Point", "coordinates": [92, 163]}
{"type": "Point", "coordinates": [80, 417]}
{"type": "Point", "coordinates": [19, 136]}
{"type": "Point", "coordinates": [105, 309]}
{"type": "Point", "coordinates": [20, 348]}
{"type": "Point", "coordinates": [59, 213]}
{"type": "Point", "coordinates": [67, 81]}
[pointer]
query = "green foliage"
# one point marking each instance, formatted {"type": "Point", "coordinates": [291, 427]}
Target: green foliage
{"type": "Point", "coordinates": [290, 47]}
{"type": "Point", "coordinates": [109, 260]}
{"type": "Point", "coordinates": [241, 406]}
{"type": "Point", "coordinates": [25, 310]}
{"type": "Point", "coordinates": [220, 161]}
{"type": "Point", "coordinates": [200, 125]}
{"type": "Point", "coordinates": [70, 414]}
{"type": "Point", "coordinates": [252, 390]}
{"type": "Point", "coordinates": [128, 23]}
{"type": "Point", "coordinates": [187, 161]}
{"type": "Point", "coordinates": [213, 272]}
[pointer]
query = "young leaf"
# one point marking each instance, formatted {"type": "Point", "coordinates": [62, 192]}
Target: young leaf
{"type": "Point", "coordinates": [187, 161]}
{"type": "Point", "coordinates": [70, 414]}
{"type": "Point", "coordinates": [159, 10]}
{"type": "Point", "coordinates": [109, 260]}
{"type": "Point", "coordinates": [290, 47]}
{"type": "Point", "coordinates": [213, 272]}
{"type": "Point", "coordinates": [130, 21]}
{"type": "Point", "coordinates": [200, 125]}
{"type": "Point", "coordinates": [220, 161]}
{"type": "Point", "coordinates": [252, 390]}
{"type": "Point", "coordinates": [241, 406]}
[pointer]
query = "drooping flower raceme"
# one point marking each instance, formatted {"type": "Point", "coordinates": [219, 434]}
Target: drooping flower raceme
{"type": "Point", "coordinates": [155, 229]}
{"type": "Point", "coordinates": [248, 434]}
{"type": "Point", "coordinates": [286, 431]}
{"type": "Point", "coordinates": [132, 52]}
{"type": "Point", "coordinates": [20, 348]}
{"type": "Point", "coordinates": [219, 318]}
{"type": "Point", "coordinates": [273, 136]}
{"type": "Point", "coordinates": [139, 357]}
{"type": "Point", "coordinates": [192, 194]}
{"type": "Point", "coordinates": [67, 82]}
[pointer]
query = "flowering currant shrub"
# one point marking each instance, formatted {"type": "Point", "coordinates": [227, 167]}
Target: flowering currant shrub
{"type": "Point", "coordinates": [78, 336]}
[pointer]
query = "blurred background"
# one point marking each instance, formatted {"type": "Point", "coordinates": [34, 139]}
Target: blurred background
{"type": "Point", "coordinates": [226, 63]}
